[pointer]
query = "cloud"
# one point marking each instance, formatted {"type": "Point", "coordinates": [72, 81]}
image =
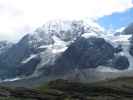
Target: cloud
{"type": "Point", "coordinates": [21, 16]}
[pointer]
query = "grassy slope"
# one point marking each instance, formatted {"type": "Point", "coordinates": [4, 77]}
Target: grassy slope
{"type": "Point", "coordinates": [115, 89]}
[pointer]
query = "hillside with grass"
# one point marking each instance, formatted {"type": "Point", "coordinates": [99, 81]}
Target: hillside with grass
{"type": "Point", "coordinates": [113, 89]}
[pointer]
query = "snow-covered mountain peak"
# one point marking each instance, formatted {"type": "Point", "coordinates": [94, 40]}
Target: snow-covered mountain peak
{"type": "Point", "coordinates": [40, 49]}
{"type": "Point", "coordinates": [64, 31]}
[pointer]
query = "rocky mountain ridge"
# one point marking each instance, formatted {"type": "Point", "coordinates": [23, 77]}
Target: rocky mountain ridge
{"type": "Point", "coordinates": [63, 47]}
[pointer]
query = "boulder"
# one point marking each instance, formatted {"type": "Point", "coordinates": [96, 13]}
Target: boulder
{"type": "Point", "coordinates": [120, 62]}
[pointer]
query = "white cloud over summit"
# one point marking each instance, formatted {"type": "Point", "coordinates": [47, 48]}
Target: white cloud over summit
{"type": "Point", "coordinates": [21, 16]}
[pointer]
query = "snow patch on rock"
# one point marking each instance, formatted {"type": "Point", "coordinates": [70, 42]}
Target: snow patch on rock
{"type": "Point", "coordinates": [29, 58]}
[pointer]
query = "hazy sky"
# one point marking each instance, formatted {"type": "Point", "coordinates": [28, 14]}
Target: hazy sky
{"type": "Point", "coordinates": [21, 16]}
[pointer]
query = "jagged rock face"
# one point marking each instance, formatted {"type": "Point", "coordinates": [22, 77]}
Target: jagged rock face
{"type": "Point", "coordinates": [11, 60]}
{"type": "Point", "coordinates": [29, 45]}
{"type": "Point", "coordinates": [29, 67]}
{"type": "Point", "coordinates": [66, 31]}
{"type": "Point", "coordinates": [128, 30]}
{"type": "Point", "coordinates": [17, 53]}
{"type": "Point", "coordinates": [84, 53]}
{"type": "Point", "coordinates": [44, 50]}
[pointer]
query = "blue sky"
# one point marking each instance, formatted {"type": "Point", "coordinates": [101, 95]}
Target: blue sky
{"type": "Point", "coordinates": [117, 20]}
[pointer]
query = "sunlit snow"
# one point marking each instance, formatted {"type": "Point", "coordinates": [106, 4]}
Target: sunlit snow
{"type": "Point", "coordinates": [29, 58]}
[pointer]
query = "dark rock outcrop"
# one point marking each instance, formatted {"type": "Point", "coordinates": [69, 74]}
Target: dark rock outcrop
{"type": "Point", "coordinates": [118, 49]}
{"type": "Point", "coordinates": [29, 67]}
{"type": "Point", "coordinates": [84, 53]}
{"type": "Point", "coordinates": [120, 62]}
{"type": "Point", "coordinates": [11, 60]}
